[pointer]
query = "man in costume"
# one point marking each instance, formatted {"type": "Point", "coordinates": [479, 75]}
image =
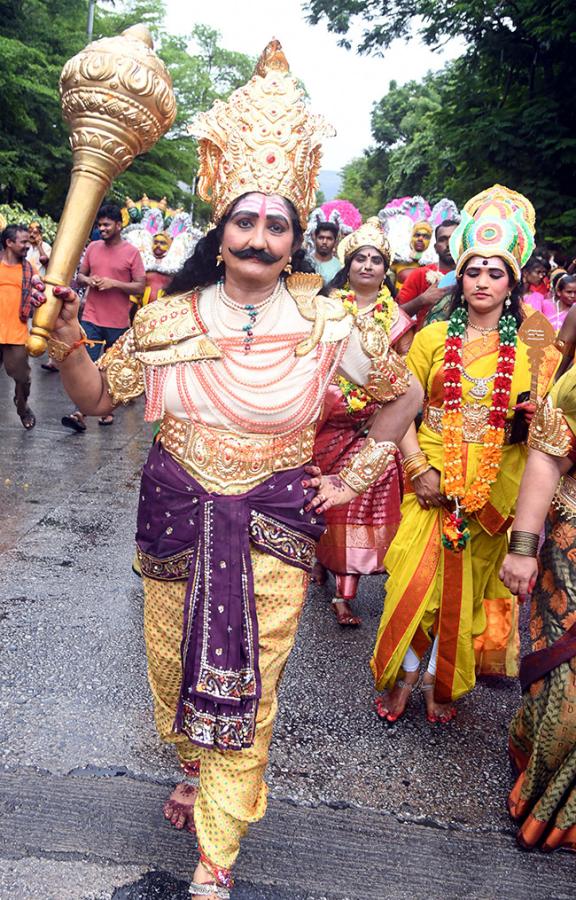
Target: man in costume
{"type": "Point", "coordinates": [39, 250]}
{"type": "Point", "coordinates": [16, 301]}
{"type": "Point", "coordinates": [420, 291]}
{"type": "Point", "coordinates": [235, 361]}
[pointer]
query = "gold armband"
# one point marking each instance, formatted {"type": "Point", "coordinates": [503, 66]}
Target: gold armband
{"type": "Point", "coordinates": [59, 351]}
{"type": "Point", "coordinates": [368, 464]}
{"type": "Point", "coordinates": [388, 379]}
{"type": "Point", "coordinates": [124, 373]}
{"type": "Point", "coordinates": [549, 431]}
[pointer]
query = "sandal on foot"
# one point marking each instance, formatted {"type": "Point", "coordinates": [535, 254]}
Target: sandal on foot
{"type": "Point", "coordinates": [344, 616]}
{"type": "Point", "coordinates": [106, 420]}
{"type": "Point", "coordinates": [74, 421]}
{"type": "Point", "coordinates": [28, 419]}
{"type": "Point", "coordinates": [433, 718]}
{"type": "Point", "coordinates": [384, 713]}
{"type": "Point", "coordinates": [49, 368]}
{"type": "Point", "coordinates": [207, 890]}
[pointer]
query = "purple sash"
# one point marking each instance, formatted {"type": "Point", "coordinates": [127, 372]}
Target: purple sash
{"type": "Point", "coordinates": [186, 533]}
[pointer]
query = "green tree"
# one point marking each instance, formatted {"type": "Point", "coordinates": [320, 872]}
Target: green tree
{"type": "Point", "coordinates": [363, 182]}
{"type": "Point", "coordinates": [505, 108]}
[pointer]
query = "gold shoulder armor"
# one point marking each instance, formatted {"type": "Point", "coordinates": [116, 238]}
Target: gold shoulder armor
{"type": "Point", "coordinates": [170, 330]}
{"type": "Point", "coordinates": [373, 337]}
{"type": "Point", "coordinates": [331, 321]}
{"type": "Point", "coordinates": [389, 378]}
{"type": "Point", "coordinates": [389, 375]}
{"type": "Point", "coordinates": [124, 373]}
{"type": "Point", "coordinates": [549, 431]}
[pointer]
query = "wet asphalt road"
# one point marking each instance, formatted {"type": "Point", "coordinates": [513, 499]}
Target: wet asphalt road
{"type": "Point", "coordinates": [357, 810]}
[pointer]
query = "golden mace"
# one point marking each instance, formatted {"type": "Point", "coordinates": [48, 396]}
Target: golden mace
{"type": "Point", "coordinates": [117, 99]}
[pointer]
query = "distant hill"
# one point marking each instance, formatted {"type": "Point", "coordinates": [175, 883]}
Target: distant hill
{"type": "Point", "coordinates": [330, 183]}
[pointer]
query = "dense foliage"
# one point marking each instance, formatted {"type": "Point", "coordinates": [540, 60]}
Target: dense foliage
{"type": "Point", "coordinates": [37, 37]}
{"type": "Point", "coordinates": [503, 111]}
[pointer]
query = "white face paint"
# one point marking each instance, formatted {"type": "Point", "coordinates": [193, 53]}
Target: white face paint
{"type": "Point", "coordinates": [263, 206]}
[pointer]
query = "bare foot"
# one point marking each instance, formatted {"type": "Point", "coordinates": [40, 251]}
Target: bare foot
{"type": "Point", "coordinates": [392, 704]}
{"type": "Point", "coordinates": [203, 876]}
{"type": "Point", "coordinates": [318, 574]}
{"type": "Point", "coordinates": [179, 808]}
{"type": "Point", "coordinates": [436, 713]}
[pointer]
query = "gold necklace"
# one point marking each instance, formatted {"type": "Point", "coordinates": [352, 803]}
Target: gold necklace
{"type": "Point", "coordinates": [485, 332]}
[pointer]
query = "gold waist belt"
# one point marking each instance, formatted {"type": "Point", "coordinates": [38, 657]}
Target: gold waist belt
{"type": "Point", "coordinates": [474, 422]}
{"type": "Point", "coordinates": [231, 463]}
{"type": "Point", "coordinates": [564, 499]}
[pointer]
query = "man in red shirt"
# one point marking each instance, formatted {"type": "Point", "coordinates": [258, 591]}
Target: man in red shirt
{"type": "Point", "coordinates": [112, 269]}
{"type": "Point", "coordinates": [420, 292]}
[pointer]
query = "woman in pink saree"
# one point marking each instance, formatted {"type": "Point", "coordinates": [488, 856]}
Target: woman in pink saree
{"type": "Point", "coordinates": [357, 535]}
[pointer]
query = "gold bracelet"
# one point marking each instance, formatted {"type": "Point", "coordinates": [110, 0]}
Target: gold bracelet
{"type": "Point", "coordinates": [368, 464]}
{"type": "Point", "coordinates": [524, 543]}
{"type": "Point", "coordinates": [415, 464]}
{"type": "Point", "coordinates": [59, 351]}
{"type": "Point", "coordinates": [413, 457]}
{"type": "Point", "coordinates": [415, 472]}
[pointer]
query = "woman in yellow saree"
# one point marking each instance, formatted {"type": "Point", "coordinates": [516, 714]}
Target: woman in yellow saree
{"type": "Point", "coordinates": [463, 470]}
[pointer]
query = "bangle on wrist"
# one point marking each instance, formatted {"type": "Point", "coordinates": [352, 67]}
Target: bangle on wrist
{"type": "Point", "coordinates": [415, 464]}
{"type": "Point", "coordinates": [59, 350]}
{"type": "Point", "coordinates": [368, 464]}
{"type": "Point", "coordinates": [524, 543]}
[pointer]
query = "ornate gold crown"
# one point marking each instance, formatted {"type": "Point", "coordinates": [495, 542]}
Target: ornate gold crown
{"type": "Point", "coordinates": [495, 222]}
{"type": "Point", "coordinates": [369, 234]}
{"type": "Point", "coordinates": [262, 139]}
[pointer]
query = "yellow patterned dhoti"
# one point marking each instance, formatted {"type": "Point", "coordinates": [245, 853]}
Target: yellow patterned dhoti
{"type": "Point", "coordinates": [232, 790]}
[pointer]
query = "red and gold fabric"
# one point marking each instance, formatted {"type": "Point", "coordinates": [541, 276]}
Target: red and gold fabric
{"type": "Point", "coordinates": [357, 535]}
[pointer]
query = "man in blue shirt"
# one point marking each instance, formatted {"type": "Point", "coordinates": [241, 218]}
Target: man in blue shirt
{"type": "Point", "coordinates": [323, 259]}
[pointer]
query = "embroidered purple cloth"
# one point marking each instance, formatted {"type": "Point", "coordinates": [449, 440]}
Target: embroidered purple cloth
{"type": "Point", "coordinates": [186, 533]}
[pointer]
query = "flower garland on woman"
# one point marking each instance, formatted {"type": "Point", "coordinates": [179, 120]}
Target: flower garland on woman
{"type": "Point", "coordinates": [358, 534]}
{"type": "Point", "coordinates": [463, 469]}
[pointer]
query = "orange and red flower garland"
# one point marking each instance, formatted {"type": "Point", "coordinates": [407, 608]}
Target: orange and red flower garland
{"type": "Point", "coordinates": [455, 530]}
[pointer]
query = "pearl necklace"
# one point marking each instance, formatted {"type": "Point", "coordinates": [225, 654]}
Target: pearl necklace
{"type": "Point", "coordinates": [249, 309]}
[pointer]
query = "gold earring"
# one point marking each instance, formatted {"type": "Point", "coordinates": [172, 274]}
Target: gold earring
{"type": "Point", "coordinates": [288, 266]}
{"type": "Point", "coordinates": [219, 259]}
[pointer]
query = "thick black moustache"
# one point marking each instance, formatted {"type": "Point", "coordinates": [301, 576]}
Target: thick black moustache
{"type": "Point", "coordinates": [261, 255]}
